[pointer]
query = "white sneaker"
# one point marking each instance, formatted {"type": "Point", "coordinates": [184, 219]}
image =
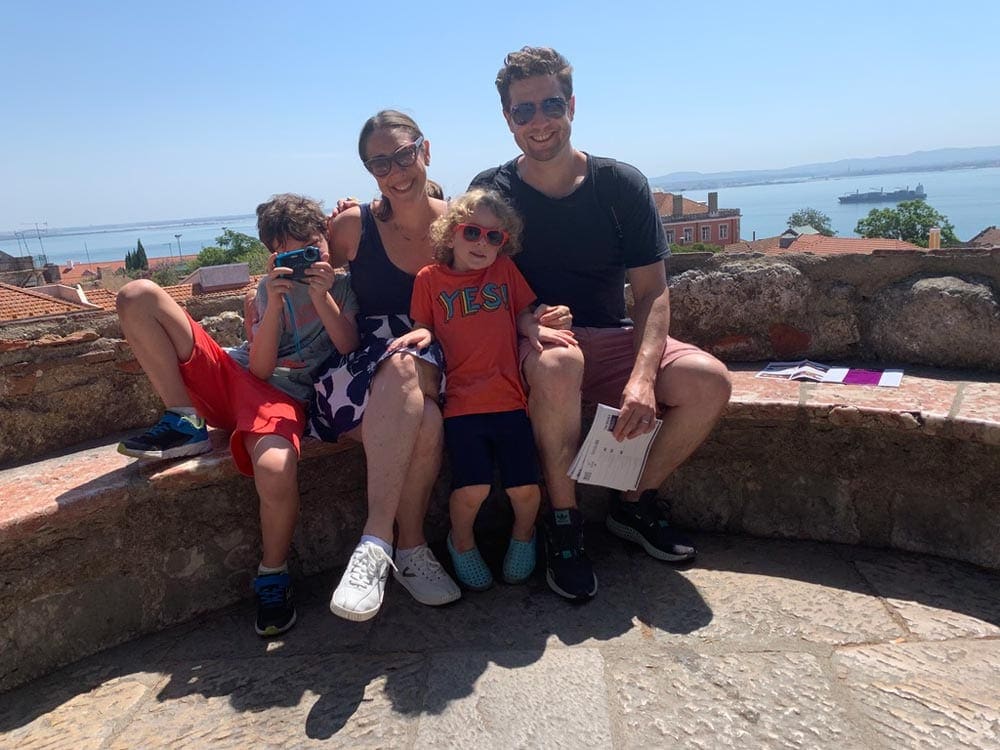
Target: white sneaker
{"type": "Point", "coordinates": [358, 596]}
{"type": "Point", "coordinates": [425, 579]}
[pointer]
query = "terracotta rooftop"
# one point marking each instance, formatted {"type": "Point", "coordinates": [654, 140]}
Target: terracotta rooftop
{"type": "Point", "coordinates": [665, 205]}
{"type": "Point", "coordinates": [101, 297]}
{"type": "Point", "coordinates": [88, 271]}
{"type": "Point", "coordinates": [820, 245]}
{"type": "Point", "coordinates": [18, 303]}
{"type": "Point", "coordinates": [989, 237]}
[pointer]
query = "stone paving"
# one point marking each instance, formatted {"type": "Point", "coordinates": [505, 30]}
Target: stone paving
{"type": "Point", "coordinates": [761, 644]}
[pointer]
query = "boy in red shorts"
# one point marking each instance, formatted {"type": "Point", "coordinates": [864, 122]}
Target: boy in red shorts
{"type": "Point", "coordinates": [256, 391]}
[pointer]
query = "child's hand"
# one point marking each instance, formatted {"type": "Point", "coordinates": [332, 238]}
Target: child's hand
{"type": "Point", "coordinates": [552, 336]}
{"type": "Point", "coordinates": [319, 277]}
{"type": "Point", "coordinates": [554, 316]}
{"type": "Point", "coordinates": [278, 283]}
{"type": "Point", "coordinates": [418, 337]}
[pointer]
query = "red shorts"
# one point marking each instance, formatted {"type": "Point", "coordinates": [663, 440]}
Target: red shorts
{"type": "Point", "coordinates": [608, 359]}
{"type": "Point", "coordinates": [231, 398]}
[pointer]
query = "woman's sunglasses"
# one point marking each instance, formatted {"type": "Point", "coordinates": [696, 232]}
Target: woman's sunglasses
{"type": "Point", "coordinates": [553, 108]}
{"type": "Point", "coordinates": [472, 233]}
{"type": "Point", "coordinates": [405, 157]}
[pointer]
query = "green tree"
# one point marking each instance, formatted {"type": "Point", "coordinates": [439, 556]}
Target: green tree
{"type": "Point", "coordinates": [910, 221]}
{"type": "Point", "coordinates": [811, 217]}
{"type": "Point", "coordinates": [234, 247]}
{"type": "Point", "coordinates": [167, 275]}
{"type": "Point", "coordinates": [140, 259]}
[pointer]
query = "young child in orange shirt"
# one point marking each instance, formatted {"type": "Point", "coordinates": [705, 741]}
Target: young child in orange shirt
{"type": "Point", "coordinates": [475, 301]}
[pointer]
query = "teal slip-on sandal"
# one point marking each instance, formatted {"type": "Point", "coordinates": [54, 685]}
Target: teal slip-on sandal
{"type": "Point", "coordinates": [519, 562]}
{"type": "Point", "coordinates": [470, 568]}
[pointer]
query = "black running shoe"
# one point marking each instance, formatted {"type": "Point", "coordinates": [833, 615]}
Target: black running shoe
{"type": "Point", "coordinates": [567, 568]}
{"type": "Point", "coordinates": [173, 436]}
{"type": "Point", "coordinates": [275, 609]}
{"type": "Point", "coordinates": [644, 522]}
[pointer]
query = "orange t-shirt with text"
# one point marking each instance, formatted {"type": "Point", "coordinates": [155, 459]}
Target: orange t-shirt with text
{"type": "Point", "coordinates": [473, 315]}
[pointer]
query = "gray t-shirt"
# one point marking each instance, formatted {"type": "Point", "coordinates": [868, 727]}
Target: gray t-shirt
{"type": "Point", "coordinates": [298, 363]}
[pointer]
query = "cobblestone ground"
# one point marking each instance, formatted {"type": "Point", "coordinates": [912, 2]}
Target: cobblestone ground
{"type": "Point", "coordinates": [761, 644]}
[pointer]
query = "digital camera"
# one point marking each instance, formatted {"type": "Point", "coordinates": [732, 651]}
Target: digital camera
{"type": "Point", "coordinates": [298, 260]}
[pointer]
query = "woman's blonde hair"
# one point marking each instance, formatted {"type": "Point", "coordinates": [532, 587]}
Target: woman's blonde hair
{"type": "Point", "coordinates": [458, 212]}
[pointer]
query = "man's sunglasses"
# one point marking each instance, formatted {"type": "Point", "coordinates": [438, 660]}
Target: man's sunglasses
{"type": "Point", "coordinates": [472, 233]}
{"type": "Point", "coordinates": [554, 107]}
{"type": "Point", "coordinates": [405, 157]}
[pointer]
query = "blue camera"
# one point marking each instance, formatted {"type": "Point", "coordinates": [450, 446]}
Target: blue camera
{"type": "Point", "coordinates": [298, 260]}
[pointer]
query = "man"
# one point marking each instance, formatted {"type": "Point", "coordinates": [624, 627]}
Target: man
{"type": "Point", "coordinates": [588, 222]}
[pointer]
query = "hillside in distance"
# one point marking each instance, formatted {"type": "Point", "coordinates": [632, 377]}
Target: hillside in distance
{"type": "Point", "coordinates": [942, 158]}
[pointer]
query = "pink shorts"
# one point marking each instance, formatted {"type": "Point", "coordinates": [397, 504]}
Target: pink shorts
{"type": "Point", "coordinates": [609, 356]}
{"type": "Point", "coordinates": [231, 398]}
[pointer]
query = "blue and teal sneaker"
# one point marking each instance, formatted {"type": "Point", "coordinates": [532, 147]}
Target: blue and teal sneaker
{"type": "Point", "coordinates": [275, 608]}
{"type": "Point", "coordinates": [173, 436]}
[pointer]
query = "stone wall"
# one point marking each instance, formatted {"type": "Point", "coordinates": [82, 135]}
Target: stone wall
{"type": "Point", "coordinates": [69, 380]}
{"type": "Point", "coordinates": [893, 308]}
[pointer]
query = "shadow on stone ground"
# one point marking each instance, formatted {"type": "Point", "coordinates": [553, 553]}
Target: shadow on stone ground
{"type": "Point", "coordinates": [413, 660]}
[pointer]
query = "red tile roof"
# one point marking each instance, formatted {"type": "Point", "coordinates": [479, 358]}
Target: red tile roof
{"type": "Point", "coordinates": [989, 237]}
{"type": "Point", "coordinates": [18, 303]}
{"type": "Point", "coordinates": [87, 271]}
{"type": "Point", "coordinates": [820, 245]}
{"type": "Point", "coordinates": [103, 298]}
{"type": "Point", "coordinates": [665, 205]}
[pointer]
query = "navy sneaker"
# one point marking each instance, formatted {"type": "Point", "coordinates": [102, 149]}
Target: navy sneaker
{"type": "Point", "coordinates": [644, 522]}
{"type": "Point", "coordinates": [175, 435]}
{"type": "Point", "coordinates": [275, 609]}
{"type": "Point", "coordinates": [567, 568]}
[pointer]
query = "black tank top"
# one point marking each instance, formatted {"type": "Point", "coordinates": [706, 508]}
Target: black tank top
{"type": "Point", "coordinates": [381, 287]}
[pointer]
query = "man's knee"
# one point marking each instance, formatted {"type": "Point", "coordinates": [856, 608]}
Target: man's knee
{"type": "Point", "coordinates": [555, 370]}
{"type": "Point", "coordinates": [697, 378]}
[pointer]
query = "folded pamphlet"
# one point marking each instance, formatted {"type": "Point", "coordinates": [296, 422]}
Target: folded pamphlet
{"type": "Point", "coordinates": [604, 461]}
{"type": "Point", "coordinates": [808, 370]}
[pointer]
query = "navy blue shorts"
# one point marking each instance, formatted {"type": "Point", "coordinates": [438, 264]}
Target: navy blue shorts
{"type": "Point", "coordinates": [476, 441]}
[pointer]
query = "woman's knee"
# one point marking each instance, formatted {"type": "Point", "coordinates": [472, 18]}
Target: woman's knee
{"type": "Point", "coordinates": [398, 371]}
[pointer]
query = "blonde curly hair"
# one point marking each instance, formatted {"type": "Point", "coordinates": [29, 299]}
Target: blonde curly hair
{"type": "Point", "coordinates": [458, 212]}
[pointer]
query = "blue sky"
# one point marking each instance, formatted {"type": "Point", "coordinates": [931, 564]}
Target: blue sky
{"type": "Point", "coordinates": [117, 112]}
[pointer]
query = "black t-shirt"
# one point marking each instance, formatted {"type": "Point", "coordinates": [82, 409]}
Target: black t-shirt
{"type": "Point", "coordinates": [577, 248]}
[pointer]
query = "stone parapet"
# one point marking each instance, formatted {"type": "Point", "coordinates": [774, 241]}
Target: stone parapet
{"type": "Point", "coordinates": [97, 549]}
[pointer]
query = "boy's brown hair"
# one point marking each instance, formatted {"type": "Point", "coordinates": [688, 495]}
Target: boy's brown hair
{"type": "Point", "coordinates": [459, 211]}
{"type": "Point", "coordinates": [289, 216]}
{"type": "Point", "coordinates": [528, 62]}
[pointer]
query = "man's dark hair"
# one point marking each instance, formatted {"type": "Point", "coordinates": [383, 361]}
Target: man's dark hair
{"type": "Point", "coordinates": [289, 216]}
{"type": "Point", "coordinates": [533, 61]}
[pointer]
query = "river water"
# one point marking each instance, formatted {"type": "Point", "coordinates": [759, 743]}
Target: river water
{"type": "Point", "coordinates": [969, 198]}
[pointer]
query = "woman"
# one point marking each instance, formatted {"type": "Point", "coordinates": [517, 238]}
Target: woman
{"type": "Point", "coordinates": [388, 400]}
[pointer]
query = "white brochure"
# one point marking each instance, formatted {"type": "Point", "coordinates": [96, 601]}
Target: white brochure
{"type": "Point", "coordinates": [604, 461]}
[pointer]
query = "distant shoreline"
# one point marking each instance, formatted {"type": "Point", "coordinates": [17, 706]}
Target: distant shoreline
{"type": "Point", "coordinates": [111, 228]}
{"type": "Point", "coordinates": [787, 180]}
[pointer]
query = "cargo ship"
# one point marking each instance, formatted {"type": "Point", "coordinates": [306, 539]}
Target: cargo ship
{"type": "Point", "coordinates": [881, 196]}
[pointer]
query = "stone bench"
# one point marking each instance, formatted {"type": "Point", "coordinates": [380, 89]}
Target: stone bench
{"type": "Point", "coordinates": [96, 548]}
